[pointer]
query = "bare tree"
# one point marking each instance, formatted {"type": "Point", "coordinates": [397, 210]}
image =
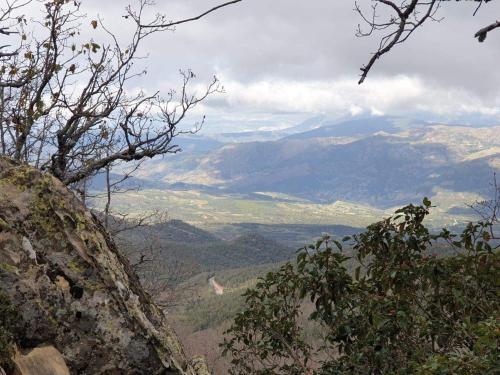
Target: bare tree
{"type": "Point", "coordinates": [159, 270]}
{"type": "Point", "coordinates": [6, 21]}
{"type": "Point", "coordinates": [397, 20]}
{"type": "Point", "coordinates": [113, 187]}
{"type": "Point", "coordinates": [67, 104]}
{"type": "Point", "coordinates": [489, 210]}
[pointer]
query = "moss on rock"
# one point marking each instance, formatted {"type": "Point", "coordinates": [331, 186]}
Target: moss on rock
{"type": "Point", "coordinates": [72, 287]}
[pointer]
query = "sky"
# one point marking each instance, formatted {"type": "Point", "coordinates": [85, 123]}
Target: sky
{"type": "Point", "coordinates": [283, 61]}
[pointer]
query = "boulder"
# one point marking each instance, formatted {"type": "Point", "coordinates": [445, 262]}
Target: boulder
{"type": "Point", "coordinates": [73, 289]}
{"type": "Point", "coordinates": [45, 360]}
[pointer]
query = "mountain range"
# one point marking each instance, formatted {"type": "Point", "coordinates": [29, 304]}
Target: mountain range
{"type": "Point", "coordinates": [381, 161]}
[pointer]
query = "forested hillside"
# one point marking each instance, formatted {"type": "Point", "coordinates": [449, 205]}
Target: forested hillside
{"type": "Point", "coordinates": [175, 242]}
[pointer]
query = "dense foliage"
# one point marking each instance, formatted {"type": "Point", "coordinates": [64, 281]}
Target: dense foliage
{"type": "Point", "coordinates": [403, 310]}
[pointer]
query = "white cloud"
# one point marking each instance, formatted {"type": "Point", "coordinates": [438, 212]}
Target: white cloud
{"type": "Point", "coordinates": [400, 95]}
{"type": "Point", "coordinates": [284, 60]}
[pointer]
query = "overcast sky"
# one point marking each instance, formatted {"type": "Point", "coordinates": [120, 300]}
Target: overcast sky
{"type": "Point", "coordinates": [285, 60]}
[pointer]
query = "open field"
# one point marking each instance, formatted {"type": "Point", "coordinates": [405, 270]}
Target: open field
{"type": "Point", "coordinates": [210, 210]}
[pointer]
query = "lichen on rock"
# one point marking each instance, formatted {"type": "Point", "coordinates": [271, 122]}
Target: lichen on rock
{"type": "Point", "coordinates": [71, 286]}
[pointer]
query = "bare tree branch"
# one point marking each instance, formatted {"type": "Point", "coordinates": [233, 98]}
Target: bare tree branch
{"type": "Point", "coordinates": [400, 26]}
{"type": "Point", "coordinates": [489, 210]}
{"type": "Point", "coordinates": [481, 34]}
{"type": "Point", "coordinates": [405, 17]}
{"type": "Point", "coordinates": [174, 23]}
{"type": "Point", "coordinates": [152, 258]}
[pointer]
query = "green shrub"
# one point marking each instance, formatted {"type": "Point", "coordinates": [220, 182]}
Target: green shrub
{"type": "Point", "coordinates": [403, 310]}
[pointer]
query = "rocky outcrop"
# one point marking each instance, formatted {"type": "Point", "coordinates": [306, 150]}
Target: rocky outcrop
{"type": "Point", "coordinates": [73, 289]}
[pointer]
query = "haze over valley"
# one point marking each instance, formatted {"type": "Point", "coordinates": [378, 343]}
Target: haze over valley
{"type": "Point", "coordinates": [335, 172]}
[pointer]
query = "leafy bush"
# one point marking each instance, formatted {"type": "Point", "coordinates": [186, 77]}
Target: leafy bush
{"type": "Point", "coordinates": [404, 310]}
{"type": "Point", "coordinates": [9, 319]}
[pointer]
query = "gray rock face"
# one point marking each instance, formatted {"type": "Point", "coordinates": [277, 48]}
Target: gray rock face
{"type": "Point", "coordinates": [74, 290]}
